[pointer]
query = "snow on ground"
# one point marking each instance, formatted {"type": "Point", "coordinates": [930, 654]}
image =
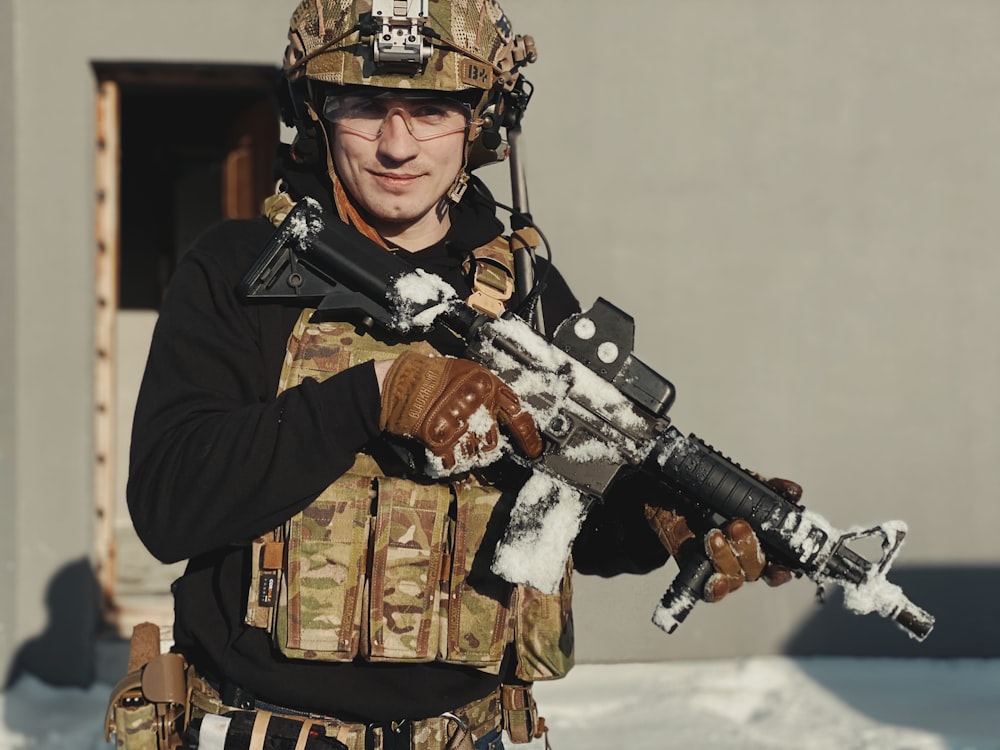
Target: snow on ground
{"type": "Point", "coordinates": [760, 703]}
{"type": "Point", "coordinates": [774, 704]}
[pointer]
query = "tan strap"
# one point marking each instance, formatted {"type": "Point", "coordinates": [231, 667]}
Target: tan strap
{"type": "Point", "coordinates": [495, 264]}
{"type": "Point", "coordinates": [259, 731]}
{"type": "Point", "coordinates": [346, 733]}
{"type": "Point", "coordinates": [346, 209]}
{"type": "Point", "coordinates": [204, 697]}
{"type": "Point", "coordinates": [273, 555]}
{"type": "Point", "coordinates": [526, 238]}
{"type": "Point", "coordinates": [300, 743]}
{"type": "Point", "coordinates": [278, 205]}
{"type": "Point", "coordinates": [492, 270]}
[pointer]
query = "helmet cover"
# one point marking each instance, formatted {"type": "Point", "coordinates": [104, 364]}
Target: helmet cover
{"type": "Point", "coordinates": [468, 43]}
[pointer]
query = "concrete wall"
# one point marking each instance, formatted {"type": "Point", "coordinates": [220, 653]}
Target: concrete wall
{"type": "Point", "coordinates": [796, 200]}
{"type": "Point", "coordinates": [49, 310]}
{"type": "Point", "coordinates": [8, 437]}
{"type": "Point", "coordinates": [793, 198]}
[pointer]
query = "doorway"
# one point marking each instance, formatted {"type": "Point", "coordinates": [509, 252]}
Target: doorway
{"type": "Point", "coordinates": [179, 147]}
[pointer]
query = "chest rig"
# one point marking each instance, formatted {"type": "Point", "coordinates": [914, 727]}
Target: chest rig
{"type": "Point", "coordinates": [391, 569]}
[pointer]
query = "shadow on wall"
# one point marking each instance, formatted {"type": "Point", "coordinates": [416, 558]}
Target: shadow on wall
{"type": "Point", "coordinates": [961, 598]}
{"type": "Point", "coordinates": [946, 696]}
{"type": "Point", "coordinates": [64, 653]}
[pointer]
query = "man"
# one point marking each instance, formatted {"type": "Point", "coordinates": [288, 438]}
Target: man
{"type": "Point", "coordinates": [327, 577]}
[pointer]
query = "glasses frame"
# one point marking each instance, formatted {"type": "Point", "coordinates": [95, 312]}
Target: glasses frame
{"type": "Point", "coordinates": [330, 114]}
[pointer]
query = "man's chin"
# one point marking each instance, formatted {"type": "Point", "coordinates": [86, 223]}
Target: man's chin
{"type": "Point", "coordinates": [400, 216]}
{"type": "Point", "coordinates": [397, 221]}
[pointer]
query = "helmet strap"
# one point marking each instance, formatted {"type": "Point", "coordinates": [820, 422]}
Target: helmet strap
{"type": "Point", "coordinates": [461, 183]}
{"type": "Point", "coordinates": [349, 213]}
{"type": "Point", "coordinates": [459, 186]}
{"type": "Point", "coordinates": [346, 209]}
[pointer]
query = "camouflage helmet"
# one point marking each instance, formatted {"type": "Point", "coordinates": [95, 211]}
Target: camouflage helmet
{"type": "Point", "coordinates": [441, 45]}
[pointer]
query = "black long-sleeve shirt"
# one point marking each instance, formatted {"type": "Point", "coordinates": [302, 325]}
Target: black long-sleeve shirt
{"type": "Point", "coordinates": [218, 458]}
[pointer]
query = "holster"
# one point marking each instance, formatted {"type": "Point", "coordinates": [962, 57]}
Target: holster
{"type": "Point", "coordinates": [520, 714]}
{"type": "Point", "coordinates": [149, 707]}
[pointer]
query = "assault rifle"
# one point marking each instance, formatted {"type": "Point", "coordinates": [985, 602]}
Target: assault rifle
{"type": "Point", "coordinates": [601, 411]}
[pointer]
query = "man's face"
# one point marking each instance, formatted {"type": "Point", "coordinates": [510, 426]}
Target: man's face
{"type": "Point", "coordinates": [397, 156]}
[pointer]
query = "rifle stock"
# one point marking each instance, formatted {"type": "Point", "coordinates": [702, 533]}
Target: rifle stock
{"type": "Point", "coordinates": [601, 411]}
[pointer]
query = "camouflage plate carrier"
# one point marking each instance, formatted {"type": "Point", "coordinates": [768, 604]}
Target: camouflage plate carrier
{"type": "Point", "coordinates": [389, 568]}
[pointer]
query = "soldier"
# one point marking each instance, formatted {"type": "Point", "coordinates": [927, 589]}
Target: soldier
{"type": "Point", "coordinates": [330, 583]}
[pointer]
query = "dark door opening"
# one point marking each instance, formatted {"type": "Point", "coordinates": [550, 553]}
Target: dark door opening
{"type": "Point", "coordinates": [179, 147]}
{"type": "Point", "coordinates": [197, 146]}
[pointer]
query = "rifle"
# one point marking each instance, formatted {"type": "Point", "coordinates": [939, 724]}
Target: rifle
{"type": "Point", "coordinates": [602, 414]}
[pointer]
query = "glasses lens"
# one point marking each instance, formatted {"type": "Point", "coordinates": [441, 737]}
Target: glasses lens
{"type": "Point", "coordinates": [426, 116]}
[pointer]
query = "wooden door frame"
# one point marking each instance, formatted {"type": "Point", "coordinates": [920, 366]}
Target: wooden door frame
{"type": "Point", "coordinates": [111, 78]}
{"type": "Point", "coordinates": [107, 173]}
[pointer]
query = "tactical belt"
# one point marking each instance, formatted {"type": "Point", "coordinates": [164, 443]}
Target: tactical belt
{"type": "Point", "coordinates": [509, 707]}
{"type": "Point", "coordinates": [163, 704]}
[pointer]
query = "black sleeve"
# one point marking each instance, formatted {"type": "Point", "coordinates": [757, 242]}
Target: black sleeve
{"type": "Point", "coordinates": [558, 300]}
{"type": "Point", "coordinates": [216, 457]}
{"type": "Point", "coordinates": [616, 538]}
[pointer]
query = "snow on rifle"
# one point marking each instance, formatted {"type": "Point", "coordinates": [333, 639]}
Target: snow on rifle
{"type": "Point", "coordinates": [602, 414]}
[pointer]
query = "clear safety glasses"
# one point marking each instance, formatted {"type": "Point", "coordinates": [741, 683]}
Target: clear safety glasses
{"type": "Point", "coordinates": [426, 116]}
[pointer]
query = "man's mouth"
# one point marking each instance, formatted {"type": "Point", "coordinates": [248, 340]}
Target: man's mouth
{"type": "Point", "coordinates": [396, 178]}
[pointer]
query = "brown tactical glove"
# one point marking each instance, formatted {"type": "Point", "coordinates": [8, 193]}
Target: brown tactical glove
{"type": "Point", "coordinates": [453, 407]}
{"type": "Point", "coordinates": [735, 552]}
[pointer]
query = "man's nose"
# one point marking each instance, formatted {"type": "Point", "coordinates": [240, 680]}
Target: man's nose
{"type": "Point", "coordinates": [396, 140]}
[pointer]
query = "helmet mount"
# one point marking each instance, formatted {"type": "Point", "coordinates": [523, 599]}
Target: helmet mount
{"type": "Point", "coordinates": [460, 46]}
{"type": "Point", "coordinates": [398, 35]}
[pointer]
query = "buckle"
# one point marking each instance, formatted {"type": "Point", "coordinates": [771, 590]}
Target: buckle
{"type": "Point", "coordinates": [462, 725]}
{"type": "Point", "coordinates": [396, 735]}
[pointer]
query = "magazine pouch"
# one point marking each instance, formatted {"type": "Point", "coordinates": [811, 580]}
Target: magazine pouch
{"type": "Point", "coordinates": [543, 625]}
{"type": "Point", "coordinates": [474, 607]}
{"type": "Point", "coordinates": [408, 551]}
{"type": "Point", "coordinates": [320, 606]}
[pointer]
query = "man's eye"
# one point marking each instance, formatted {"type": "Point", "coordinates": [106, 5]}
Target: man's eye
{"type": "Point", "coordinates": [438, 111]}
{"type": "Point", "coordinates": [430, 111]}
{"type": "Point", "coordinates": [364, 110]}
